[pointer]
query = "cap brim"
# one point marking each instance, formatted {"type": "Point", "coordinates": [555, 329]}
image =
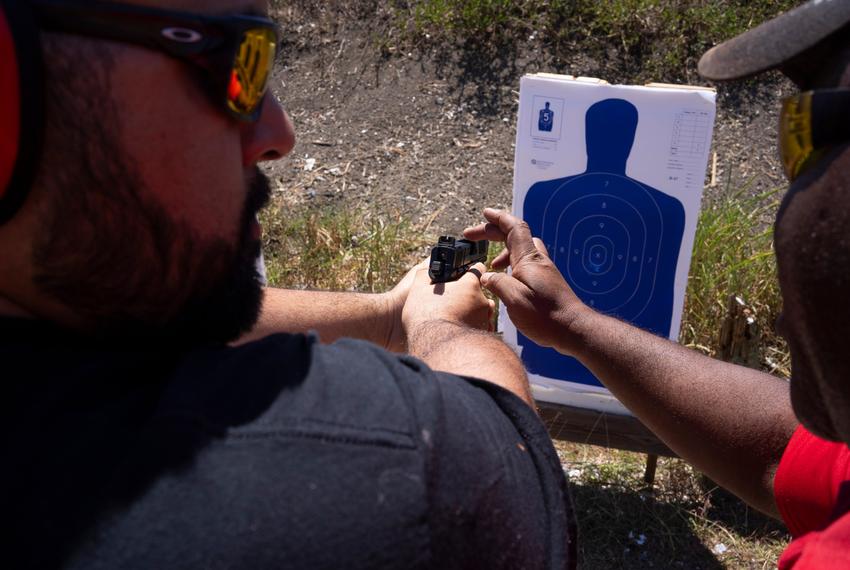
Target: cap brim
{"type": "Point", "coordinates": [776, 41]}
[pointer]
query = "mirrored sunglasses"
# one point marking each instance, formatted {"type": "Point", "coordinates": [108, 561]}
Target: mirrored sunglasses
{"type": "Point", "coordinates": [236, 53]}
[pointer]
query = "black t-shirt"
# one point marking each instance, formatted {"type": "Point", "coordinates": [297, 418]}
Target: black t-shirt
{"type": "Point", "coordinates": [282, 453]}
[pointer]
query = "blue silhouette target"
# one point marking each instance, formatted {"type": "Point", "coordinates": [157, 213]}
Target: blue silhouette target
{"type": "Point", "coordinates": [546, 119]}
{"type": "Point", "coordinates": [615, 239]}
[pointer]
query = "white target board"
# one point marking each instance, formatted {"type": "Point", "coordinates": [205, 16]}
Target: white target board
{"type": "Point", "coordinates": [610, 177]}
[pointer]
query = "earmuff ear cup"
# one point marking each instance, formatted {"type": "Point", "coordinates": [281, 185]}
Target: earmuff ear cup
{"type": "Point", "coordinates": [21, 104]}
{"type": "Point", "coordinates": [10, 127]}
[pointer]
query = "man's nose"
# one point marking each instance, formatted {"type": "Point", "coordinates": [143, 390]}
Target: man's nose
{"type": "Point", "coordinates": [271, 137]}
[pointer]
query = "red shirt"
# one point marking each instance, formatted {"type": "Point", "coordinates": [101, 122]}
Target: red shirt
{"type": "Point", "coordinates": [812, 489]}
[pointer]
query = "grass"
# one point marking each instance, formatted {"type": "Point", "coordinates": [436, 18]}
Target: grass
{"type": "Point", "coordinates": [683, 521]}
{"type": "Point", "coordinates": [351, 250]}
{"type": "Point", "coordinates": [653, 39]}
{"type": "Point", "coordinates": [338, 249]}
{"type": "Point", "coordinates": [733, 255]}
{"type": "Point", "coordinates": [472, 16]}
{"type": "Point", "coordinates": [342, 250]}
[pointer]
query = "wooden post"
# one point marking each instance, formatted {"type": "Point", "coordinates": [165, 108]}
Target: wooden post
{"type": "Point", "coordinates": [581, 425]}
{"type": "Point", "coordinates": [651, 466]}
{"type": "Point", "coordinates": [739, 335]}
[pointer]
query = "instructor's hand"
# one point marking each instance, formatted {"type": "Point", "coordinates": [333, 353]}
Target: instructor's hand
{"type": "Point", "coordinates": [539, 301]}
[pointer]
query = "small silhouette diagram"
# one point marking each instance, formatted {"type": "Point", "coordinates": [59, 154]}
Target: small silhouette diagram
{"type": "Point", "coordinates": [546, 119]}
{"type": "Point", "coordinates": [615, 239]}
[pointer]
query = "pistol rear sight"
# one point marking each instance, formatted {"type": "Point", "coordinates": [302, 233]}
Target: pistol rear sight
{"type": "Point", "coordinates": [453, 257]}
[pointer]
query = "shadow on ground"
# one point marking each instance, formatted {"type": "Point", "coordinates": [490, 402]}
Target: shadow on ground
{"type": "Point", "coordinates": [623, 528]}
{"type": "Point", "coordinates": [479, 71]}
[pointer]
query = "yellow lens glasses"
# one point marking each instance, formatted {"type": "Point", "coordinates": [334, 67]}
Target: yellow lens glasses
{"type": "Point", "coordinates": [811, 124]}
{"type": "Point", "coordinates": [252, 66]}
{"type": "Point", "coordinates": [200, 40]}
{"type": "Point", "coordinates": [795, 133]}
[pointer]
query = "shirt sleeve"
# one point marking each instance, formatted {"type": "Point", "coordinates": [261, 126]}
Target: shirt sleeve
{"type": "Point", "coordinates": [498, 494]}
{"type": "Point", "coordinates": [494, 494]}
{"type": "Point", "coordinates": [808, 481]}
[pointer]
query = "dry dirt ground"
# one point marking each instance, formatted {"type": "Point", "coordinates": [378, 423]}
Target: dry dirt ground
{"type": "Point", "coordinates": [426, 130]}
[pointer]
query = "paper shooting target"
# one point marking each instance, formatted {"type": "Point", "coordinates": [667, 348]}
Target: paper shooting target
{"type": "Point", "coordinates": [615, 239]}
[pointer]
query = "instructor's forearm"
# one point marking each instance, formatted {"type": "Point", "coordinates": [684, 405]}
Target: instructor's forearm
{"type": "Point", "coordinates": [332, 315]}
{"type": "Point", "coordinates": [731, 422]}
{"type": "Point", "coordinates": [450, 347]}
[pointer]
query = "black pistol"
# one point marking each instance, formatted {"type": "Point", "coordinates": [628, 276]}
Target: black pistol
{"type": "Point", "coordinates": [452, 257]}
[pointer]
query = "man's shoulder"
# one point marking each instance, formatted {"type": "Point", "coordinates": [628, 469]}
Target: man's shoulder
{"type": "Point", "coordinates": [351, 387]}
{"type": "Point", "coordinates": [286, 442]}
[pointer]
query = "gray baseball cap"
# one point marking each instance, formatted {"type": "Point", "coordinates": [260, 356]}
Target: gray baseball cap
{"type": "Point", "coordinates": [776, 41]}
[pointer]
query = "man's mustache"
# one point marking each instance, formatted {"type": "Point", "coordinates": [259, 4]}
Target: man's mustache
{"type": "Point", "coordinates": [259, 194]}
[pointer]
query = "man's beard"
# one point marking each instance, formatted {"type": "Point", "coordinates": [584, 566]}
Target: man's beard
{"type": "Point", "coordinates": [813, 265]}
{"type": "Point", "coordinates": [133, 272]}
{"type": "Point", "coordinates": [115, 258]}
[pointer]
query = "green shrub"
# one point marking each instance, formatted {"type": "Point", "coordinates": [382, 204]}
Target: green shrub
{"type": "Point", "coordinates": [658, 40]}
{"type": "Point", "coordinates": [338, 249]}
{"type": "Point", "coordinates": [733, 255]}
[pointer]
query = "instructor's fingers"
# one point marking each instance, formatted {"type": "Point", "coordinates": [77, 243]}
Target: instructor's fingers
{"type": "Point", "coordinates": [518, 233]}
{"type": "Point", "coordinates": [502, 260]}
{"type": "Point", "coordinates": [484, 231]}
{"type": "Point", "coordinates": [541, 247]}
{"type": "Point", "coordinates": [511, 291]}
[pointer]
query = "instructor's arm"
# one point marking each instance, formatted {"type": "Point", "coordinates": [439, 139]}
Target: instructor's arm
{"type": "Point", "coordinates": [731, 422]}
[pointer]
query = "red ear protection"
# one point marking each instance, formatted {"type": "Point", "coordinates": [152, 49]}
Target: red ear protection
{"type": "Point", "coordinates": [21, 103]}
{"type": "Point", "coordinates": [10, 104]}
